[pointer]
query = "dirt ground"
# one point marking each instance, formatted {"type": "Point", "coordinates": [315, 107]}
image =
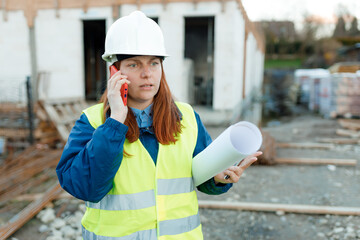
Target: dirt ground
{"type": "Point", "coordinates": [292, 184]}
{"type": "Point", "coordinates": [282, 183]}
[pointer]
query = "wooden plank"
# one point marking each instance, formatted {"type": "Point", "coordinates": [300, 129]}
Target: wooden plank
{"type": "Point", "coordinates": [36, 196]}
{"type": "Point", "coordinates": [317, 161]}
{"type": "Point", "coordinates": [63, 113]}
{"type": "Point", "coordinates": [348, 133]}
{"type": "Point", "coordinates": [339, 140]}
{"type": "Point", "coordinates": [273, 207]}
{"type": "Point", "coordinates": [64, 132]}
{"type": "Point", "coordinates": [21, 173]}
{"type": "Point", "coordinates": [305, 145]}
{"type": "Point", "coordinates": [353, 124]}
{"type": "Point", "coordinates": [21, 188]}
{"type": "Point", "coordinates": [14, 133]}
{"type": "Point", "coordinates": [29, 212]}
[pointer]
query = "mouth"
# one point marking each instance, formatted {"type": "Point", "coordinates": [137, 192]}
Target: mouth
{"type": "Point", "coordinates": [146, 86]}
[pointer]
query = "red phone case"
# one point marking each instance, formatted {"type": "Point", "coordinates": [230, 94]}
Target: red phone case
{"type": "Point", "coordinates": [124, 87]}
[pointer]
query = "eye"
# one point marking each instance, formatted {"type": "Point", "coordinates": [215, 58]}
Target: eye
{"type": "Point", "coordinates": [133, 65]}
{"type": "Point", "coordinates": [154, 63]}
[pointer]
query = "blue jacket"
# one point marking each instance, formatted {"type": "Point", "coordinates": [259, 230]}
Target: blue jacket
{"type": "Point", "coordinates": [91, 157]}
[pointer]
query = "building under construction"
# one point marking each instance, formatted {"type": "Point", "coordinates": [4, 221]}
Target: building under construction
{"type": "Point", "coordinates": [216, 54]}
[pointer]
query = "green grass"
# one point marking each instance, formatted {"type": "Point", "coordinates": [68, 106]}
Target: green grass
{"type": "Point", "coordinates": [282, 63]}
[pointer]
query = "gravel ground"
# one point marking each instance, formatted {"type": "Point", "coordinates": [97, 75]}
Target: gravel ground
{"type": "Point", "coordinates": [287, 184]}
{"type": "Point", "coordinates": [292, 184]}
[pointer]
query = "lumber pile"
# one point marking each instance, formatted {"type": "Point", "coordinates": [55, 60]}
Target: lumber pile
{"type": "Point", "coordinates": [349, 133]}
{"type": "Point", "coordinates": [29, 212]}
{"type": "Point", "coordinates": [32, 170]}
{"type": "Point", "coordinates": [328, 143]}
{"type": "Point", "coordinates": [52, 124]}
{"type": "Point", "coordinates": [14, 128]}
{"type": "Point", "coordinates": [269, 156]}
{"type": "Point", "coordinates": [27, 170]}
{"type": "Point", "coordinates": [14, 125]}
{"type": "Point", "coordinates": [63, 113]}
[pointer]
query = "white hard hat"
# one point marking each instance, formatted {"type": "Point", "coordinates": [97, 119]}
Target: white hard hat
{"type": "Point", "coordinates": [134, 34]}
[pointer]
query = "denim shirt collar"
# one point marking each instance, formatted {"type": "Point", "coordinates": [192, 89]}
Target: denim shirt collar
{"type": "Point", "coordinates": [143, 117]}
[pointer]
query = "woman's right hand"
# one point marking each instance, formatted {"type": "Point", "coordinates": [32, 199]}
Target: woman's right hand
{"type": "Point", "coordinates": [118, 109]}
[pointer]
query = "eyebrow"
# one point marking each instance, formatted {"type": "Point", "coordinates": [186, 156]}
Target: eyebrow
{"type": "Point", "coordinates": [151, 59]}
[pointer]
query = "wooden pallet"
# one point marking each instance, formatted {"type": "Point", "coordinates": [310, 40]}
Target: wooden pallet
{"type": "Point", "coordinates": [63, 113]}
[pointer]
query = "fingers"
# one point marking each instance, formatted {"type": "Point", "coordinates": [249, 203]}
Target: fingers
{"type": "Point", "coordinates": [114, 80]}
{"type": "Point", "coordinates": [119, 83]}
{"type": "Point", "coordinates": [249, 160]}
{"type": "Point", "coordinates": [234, 174]}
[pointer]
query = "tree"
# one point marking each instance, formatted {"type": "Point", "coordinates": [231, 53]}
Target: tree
{"type": "Point", "coordinates": [354, 31]}
{"type": "Point", "coordinates": [340, 30]}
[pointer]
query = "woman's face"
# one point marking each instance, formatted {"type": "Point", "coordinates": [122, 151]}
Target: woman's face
{"type": "Point", "coordinates": [144, 73]}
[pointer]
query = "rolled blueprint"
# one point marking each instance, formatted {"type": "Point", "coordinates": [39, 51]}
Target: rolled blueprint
{"type": "Point", "coordinates": [233, 145]}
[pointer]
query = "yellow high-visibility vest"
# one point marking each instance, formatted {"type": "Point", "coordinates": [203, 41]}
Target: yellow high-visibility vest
{"type": "Point", "coordinates": [149, 202]}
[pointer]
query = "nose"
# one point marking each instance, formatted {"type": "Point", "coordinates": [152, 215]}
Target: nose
{"type": "Point", "coordinates": [145, 73]}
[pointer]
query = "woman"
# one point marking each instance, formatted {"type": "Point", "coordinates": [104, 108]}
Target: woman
{"type": "Point", "coordinates": [132, 164]}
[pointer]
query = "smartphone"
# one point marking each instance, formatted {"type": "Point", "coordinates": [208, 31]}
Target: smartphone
{"type": "Point", "coordinates": [124, 87]}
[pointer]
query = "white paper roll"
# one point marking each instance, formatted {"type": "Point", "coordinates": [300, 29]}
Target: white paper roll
{"type": "Point", "coordinates": [234, 144]}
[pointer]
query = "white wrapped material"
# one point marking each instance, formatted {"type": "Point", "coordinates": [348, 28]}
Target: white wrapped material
{"type": "Point", "coordinates": [233, 145]}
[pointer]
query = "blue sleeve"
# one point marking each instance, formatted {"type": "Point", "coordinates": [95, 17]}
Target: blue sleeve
{"type": "Point", "coordinates": [91, 158]}
{"type": "Point", "coordinates": [203, 140]}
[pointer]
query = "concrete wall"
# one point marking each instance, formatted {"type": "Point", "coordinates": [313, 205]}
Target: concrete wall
{"type": "Point", "coordinates": [59, 43]}
{"type": "Point", "coordinates": [59, 46]}
{"type": "Point", "coordinates": [229, 58]}
{"type": "Point", "coordinates": [14, 56]}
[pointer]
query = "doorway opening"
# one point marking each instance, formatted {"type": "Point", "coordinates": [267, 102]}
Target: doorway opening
{"type": "Point", "coordinates": [95, 66]}
{"type": "Point", "coordinates": [199, 47]}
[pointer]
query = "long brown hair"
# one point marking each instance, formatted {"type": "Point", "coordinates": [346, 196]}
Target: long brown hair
{"type": "Point", "coordinates": [166, 115]}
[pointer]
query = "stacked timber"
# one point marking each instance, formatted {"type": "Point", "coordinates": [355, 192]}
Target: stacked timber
{"type": "Point", "coordinates": [53, 122]}
{"type": "Point", "coordinates": [14, 125]}
{"type": "Point", "coordinates": [14, 128]}
{"type": "Point", "coordinates": [28, 169]}
{"type": "Point", "coordinates": [349, 133]}
{"type": "Point", "coordinates": [31, 171]}
{"type": "Point", "coordinates": [63, 113]}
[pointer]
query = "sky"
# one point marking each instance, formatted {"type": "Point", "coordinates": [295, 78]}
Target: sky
{"type": "Point", "coordinates": [295, 10]}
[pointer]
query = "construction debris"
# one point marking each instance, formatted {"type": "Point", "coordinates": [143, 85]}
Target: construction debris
{"type": "Point", "coordinates": [27, 170]}
{"type": "Point", "coordinates": [29, 212]}
{"type": "Point", "coordinates": [35, 165]}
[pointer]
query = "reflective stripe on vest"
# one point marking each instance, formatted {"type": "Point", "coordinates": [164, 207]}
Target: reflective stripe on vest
{"type": "Point", "coordinates": [168, 227]}
{"type": "Point", "coordinates": [175, 186]}
{"type": "Point", "coordinates": [143, 199]}
{"type": "Point", "coordinates": [181, 225]}
{"type": "Point", "coordinates": [144, 196]}
{"type": "Point", "coordinates": [125, 201]}
{"type": "Point", "coordinates": [140, 235]}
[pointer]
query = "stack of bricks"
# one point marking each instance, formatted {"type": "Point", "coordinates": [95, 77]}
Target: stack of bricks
{"type": "Point", "coordinates": [346, 89]}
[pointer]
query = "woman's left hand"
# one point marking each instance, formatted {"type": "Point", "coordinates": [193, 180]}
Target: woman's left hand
{"type": "Point", "coordinates": [235, 172]}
